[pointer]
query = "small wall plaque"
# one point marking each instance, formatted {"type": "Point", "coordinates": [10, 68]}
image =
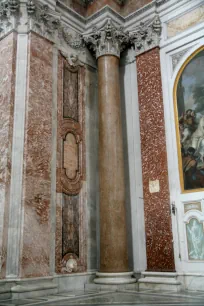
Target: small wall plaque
{"type": "Point", "coordinates": [154, 186]}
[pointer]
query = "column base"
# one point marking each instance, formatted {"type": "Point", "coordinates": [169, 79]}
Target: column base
{"type": "Point", "coordinates": [114, 278]}
{"type": "Point", "coordinates": [159, 281]}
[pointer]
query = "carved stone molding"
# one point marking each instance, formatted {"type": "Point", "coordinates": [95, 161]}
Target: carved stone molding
{"type": "Point", "coordinates": [107, 40]}
{"type": "Point", "coordinates": [72, 171]}
{"type": "Point", "coordinates": [161, 2]}
{"type": "Point", "coordinates": [74, 41]}
{"type": "Point", "coordinates": [43, 20]}
{"type": "Point", "coordinates": [147, 35]}
{"type": "Point", "coordinates": [177, 57]}
{"type": "Point", "coordinates": [9, 13]}
{"type": "Point", "coordinates": [72, 59]}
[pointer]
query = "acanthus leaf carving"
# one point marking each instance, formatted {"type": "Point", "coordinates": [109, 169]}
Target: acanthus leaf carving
{"type": "Point", "coordinates": [74, 41]}
{"type": "Point", "coordinates": [177, 57]}
{"type": "Point", "coordinates": [9, 11]}
{"type": "Point", "coordinates": [43, 20]}
{"type": "Point", "coordinates": [147, 35]}
{"type": "Point", "coordinates": [108, 39]}
{"type": "Point", "coordinates": [13, 5]}
{"type": "Point", "coordinates": [31, 7]}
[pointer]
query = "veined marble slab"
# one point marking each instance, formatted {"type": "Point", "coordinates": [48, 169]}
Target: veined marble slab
{"type": "Point", "coordinates": [185, 22]}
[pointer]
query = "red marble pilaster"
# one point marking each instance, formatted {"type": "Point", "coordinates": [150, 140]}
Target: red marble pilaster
{"type": "Point", "coordinates": [7, 94]}
{"type": "Point", "coordinates": [36, 236]}
{"type": "Point", "coordinates": [159, 240]}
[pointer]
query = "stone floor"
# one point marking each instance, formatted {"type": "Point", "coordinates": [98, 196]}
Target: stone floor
{"type": "Point", "coordinates": [124, 298]}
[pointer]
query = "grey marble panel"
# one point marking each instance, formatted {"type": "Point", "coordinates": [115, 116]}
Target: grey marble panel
{"type": "Point", "coordinates": [113, 298]}
{"type": "Point", "coordinates": [92, 186]}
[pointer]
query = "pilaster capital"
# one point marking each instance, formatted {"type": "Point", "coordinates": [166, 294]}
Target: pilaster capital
{"type": "Point", "coordinates": [146, 36]}
{"type": "Point", "coordinates": [43, 20]}
{"type": "Point", "coordinates": [9, 13]}
{"type": "Point", "coordinates": [107, 40]}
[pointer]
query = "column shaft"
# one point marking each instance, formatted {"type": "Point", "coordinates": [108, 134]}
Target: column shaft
{"type": "Point", "coordinates": [113, 241]}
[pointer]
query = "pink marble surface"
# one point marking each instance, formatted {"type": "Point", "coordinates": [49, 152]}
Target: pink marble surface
{"type": "Point", "coordinates": [36, 240]}
{"type": "Point", "coordinates": [133, 5]}
{"type": "Point", "coordinates": [7, 92]}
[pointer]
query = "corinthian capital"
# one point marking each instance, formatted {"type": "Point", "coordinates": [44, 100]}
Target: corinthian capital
{"type": "Point", "coordinates": [107, 40]}
{"type": "Point", "coordinates": [147, 35]}
{"type": "Point", "coordinates": [9, 13]}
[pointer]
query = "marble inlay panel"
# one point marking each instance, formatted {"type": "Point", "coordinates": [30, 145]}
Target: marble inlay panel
{"type": "Point", "coordinates": [70, 101]}
{"type": "Point", "coordinates": [70, 225]}
{"type": "Point", "coordinates": [7, 92]}
{"type": "Point", "coordinates": [71, 154]}
{"type": "Point", "coordinates": [154, 163]}
{"type": "Point", "coordinates": [185, 22]}
{"type": "Point", "coordinates": [35, 259]}
{"type": "Point", "coordinates": [70, 235]}
{"type": "Point", "coordinates": [195, 239]}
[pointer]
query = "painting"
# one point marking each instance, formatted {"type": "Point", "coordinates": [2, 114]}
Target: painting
{"type": "Point", "coordinates": [195, 239]}
{"type": "Point", "coordinates": [190, 123]}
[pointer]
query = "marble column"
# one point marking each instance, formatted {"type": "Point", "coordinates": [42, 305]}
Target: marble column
{"type": "Point", "coordinates": [113, 241]}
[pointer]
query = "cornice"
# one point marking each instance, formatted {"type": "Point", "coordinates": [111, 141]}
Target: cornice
{"type": "Point", "coordinates": [63, 26]}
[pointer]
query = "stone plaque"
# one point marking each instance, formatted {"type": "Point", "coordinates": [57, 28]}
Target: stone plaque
{"type": "Point", "coordinates": [70, 156]}
{"type": "Point", "coordinates": [154, 186]}
{"type": "Point", "coordinates": [192, 206]}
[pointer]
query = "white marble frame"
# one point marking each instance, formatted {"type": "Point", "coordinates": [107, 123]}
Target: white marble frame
{"type": "Point", "coordinates": [190, 39]}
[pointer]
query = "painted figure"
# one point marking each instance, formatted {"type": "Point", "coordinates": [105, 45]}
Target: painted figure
{"type": "Point", "coordinates": [190, 107]}
{"type": "Point", "coordinates": [195, 240]}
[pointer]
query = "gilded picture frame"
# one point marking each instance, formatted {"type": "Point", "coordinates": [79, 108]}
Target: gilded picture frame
{"type": "Point", "coordinates": [183, 162]}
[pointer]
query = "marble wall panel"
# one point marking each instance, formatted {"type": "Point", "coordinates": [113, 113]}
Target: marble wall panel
{"type": "Point", "coordinates": [70, 225]}
{"type": "Point", "coordinates": [76, 5]}
{"type": "Point", "coordinates": [7, 93]}
{"type": "Point", "coordinates": [70, 97]}
{"type": "Point", "coordinates": [185, 22]}
{"type": "Point", "coordinates": [97, 5]}
{"type": "Point", "coordinates": [92, 177]}
{"type": "Point", "coordinates": [131, 6]}
{"type": "Point", "coordinates": [70, 222]}
{"type": "Point", "coordinates": [35, 253]}
{"type": "Point", "coordinates": [159, 238]}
